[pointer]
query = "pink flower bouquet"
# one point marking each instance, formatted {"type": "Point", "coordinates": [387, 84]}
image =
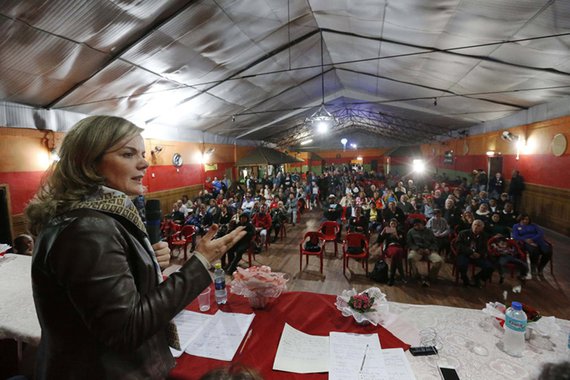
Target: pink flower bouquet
{"type": "Point", "coordinates": [369, 306]}
{"type": "Point", "coordinates": [259, 284]}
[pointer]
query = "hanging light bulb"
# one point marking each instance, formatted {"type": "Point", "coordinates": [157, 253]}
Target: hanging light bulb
{"type": "Point", "coordinates": [322, 120]}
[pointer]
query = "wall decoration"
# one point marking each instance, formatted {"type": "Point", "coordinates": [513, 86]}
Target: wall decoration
{"type": "Point", "coordinates": [559, 144]}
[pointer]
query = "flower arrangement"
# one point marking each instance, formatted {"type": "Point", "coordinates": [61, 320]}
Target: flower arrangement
{"type": "Point", "coordinates": [259, 284]}
{"type": "Point", "coordinates": [361, 302]}
{"type": "Point", "coordinates": [369, 306]}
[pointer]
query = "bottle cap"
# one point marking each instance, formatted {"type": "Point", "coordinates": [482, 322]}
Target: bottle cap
{"type": "Point", "coordinates": [218, 265]}
{"type": "Point", "coordinates": [516, 305]}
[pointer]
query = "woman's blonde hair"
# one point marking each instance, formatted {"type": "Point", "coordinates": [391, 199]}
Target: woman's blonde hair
{"type": "Point", "coordinates": [74, 176]}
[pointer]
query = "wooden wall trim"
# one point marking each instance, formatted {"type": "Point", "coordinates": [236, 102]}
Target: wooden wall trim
{"type": "Point", "coordinates": [548, 207]}
{"type": "Point", "coordinates": [168, 197]}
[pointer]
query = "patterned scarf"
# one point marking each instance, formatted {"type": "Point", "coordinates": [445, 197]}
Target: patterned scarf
{"type": "Point", "coordinates": [115, 202]}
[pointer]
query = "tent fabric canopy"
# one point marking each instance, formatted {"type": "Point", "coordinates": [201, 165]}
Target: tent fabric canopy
{"type": "Point", "coordinates": [267, 156]}
{"type": "Point", "coordinates": [400, 72]}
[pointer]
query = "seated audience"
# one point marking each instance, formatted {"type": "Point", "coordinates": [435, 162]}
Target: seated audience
{"type": "Point", "coordinates": [262, 223]}
{"type": "Point", "coordinates": [438, 225]}
{"type": "Point", "coordinates": [508, 254]}
{"type": "Point", "coordinates": [278, 219]}
{"type": "Point", "coordinates": [392, 239]}
{"type": "Point", "coordinates": [531, 237]}
{"type": "Point", "coordinates": [358, 223]}
{"type": "Point", "coordinates": [472, 249]}
{"type": "Point", "coordinates": [421, 243]}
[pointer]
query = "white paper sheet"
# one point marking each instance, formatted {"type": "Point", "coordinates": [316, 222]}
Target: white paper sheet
{"type": "Point", "coordinates": [189, 324]}
{"type": "Point", "coordinates": [397, 364]}
{"type": "Point", "coordinates": [348, 361]}
{"type": "Point", "coordinates": [221, 337]}
{"type": "Point", "coordinates": [301, 353]}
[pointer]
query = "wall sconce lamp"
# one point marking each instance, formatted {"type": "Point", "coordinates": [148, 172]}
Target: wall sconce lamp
{"type": "Point", "coordinates": [157, 149]}
{"type": "Point", "coordinates": [49, 142]}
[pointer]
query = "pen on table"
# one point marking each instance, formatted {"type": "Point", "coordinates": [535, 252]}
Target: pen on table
{"type": "Point", "coordinates": [245, 341]}
{"type": "Point", "coordinates": [364, 357]}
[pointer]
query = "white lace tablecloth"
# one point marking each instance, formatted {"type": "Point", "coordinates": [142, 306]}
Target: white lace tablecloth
{"type": "Point", "coordinates": [18, 318]}
{"type": "Point", "coordinates": [469, 340]}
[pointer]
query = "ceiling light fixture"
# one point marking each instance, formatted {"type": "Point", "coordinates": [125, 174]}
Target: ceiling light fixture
{"type": "Point", "coordinates": [306, 142]}
{"type": "Point", "coordinates": [343, 141]}
{"type": "Point", "coordinates": [322, 120]}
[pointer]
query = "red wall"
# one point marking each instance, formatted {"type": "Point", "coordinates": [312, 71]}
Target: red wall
{"type": "Point", "coordinates": [22, 186]}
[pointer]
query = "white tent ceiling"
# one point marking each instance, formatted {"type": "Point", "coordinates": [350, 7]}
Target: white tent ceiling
{"type": "Point", "coordinates": [404, 71]}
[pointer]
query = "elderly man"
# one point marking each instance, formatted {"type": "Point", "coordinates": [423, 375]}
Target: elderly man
{"type": "Point", "coordinates": [421, 244]}
{"type": "Point", "coordinates": [472, 249]}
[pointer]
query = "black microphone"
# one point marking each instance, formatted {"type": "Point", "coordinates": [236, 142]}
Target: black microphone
{"type": "Point", "coordinates": [153, 218]}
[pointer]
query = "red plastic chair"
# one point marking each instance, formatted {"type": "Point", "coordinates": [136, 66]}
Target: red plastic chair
{"type": "Point", "coordinates": [359, 241]}
{"type": "Point", "coordinates": [492, 250]}
{"type": "Point", "coordinates": [312, 236]}
{"type": "Point", "coordinates": [330, 229]}
{"type": "Point", "coordinates": [182, 238]}
{"type": "Point", "coordinates": [521, 246]}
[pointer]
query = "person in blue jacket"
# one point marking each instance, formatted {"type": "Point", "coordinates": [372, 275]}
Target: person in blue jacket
{"type": "Point", "coordinates": [532, 238]}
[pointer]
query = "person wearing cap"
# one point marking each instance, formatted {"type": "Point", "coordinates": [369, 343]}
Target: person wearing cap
{"type": "Point", "coordinates": [333, 210]}
{"type": "Point", "coordinates": [421, 244]}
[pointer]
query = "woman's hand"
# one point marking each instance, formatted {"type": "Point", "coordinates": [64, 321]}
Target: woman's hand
{"type": "Point", "coordinates": [213, 250]}
{"type": "Point", "coordinates": [162, 253]}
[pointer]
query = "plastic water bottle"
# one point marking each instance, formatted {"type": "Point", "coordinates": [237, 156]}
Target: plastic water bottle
{"type": "Point", "coordinates": [220, 284]}
{"type": "Point", "coordinates": [515, 326]}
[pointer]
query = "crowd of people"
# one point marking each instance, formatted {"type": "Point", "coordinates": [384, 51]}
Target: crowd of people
{"type": "Point", "coordinates": [435, 220]}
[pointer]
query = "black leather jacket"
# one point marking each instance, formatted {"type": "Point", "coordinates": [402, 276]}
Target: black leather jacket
{"type": "Point", "coordinates": [101, 308]}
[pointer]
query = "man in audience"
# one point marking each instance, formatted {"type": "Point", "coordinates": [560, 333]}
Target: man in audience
{"type": "Point", "coordinates": [496, 185]}
{"type": "Point", "coordinates": [421, 244]}
{"type": "Point", "coordinates": [472, 249]}
{"type": "Point", "coordinates": [516, 187]}
{"type": "Point", "coordinates": [508, 216]}
{"type": "Point", "coordinates": [358, 223]}
{"type": "Point", "coordinates": [438, 225]}
{"type": "Point", "coordinates": [394, 212]}
{"type": "Point", "coordinates": [452, 214]}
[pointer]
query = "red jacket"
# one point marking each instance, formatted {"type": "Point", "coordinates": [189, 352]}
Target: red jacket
{"type": "Point", "coordinates": [260, 221]}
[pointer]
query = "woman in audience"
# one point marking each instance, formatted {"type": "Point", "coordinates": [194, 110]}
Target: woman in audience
{"type": "Point", "coordinates": [392, 240]}
{"type": "Point", "coordinates": [101, 302]}
{"type": "Point", "coordinates": [531, 237]}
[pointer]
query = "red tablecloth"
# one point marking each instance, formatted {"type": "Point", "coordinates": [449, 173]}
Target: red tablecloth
{"type": "Point", "coordinates": [310, 313]}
